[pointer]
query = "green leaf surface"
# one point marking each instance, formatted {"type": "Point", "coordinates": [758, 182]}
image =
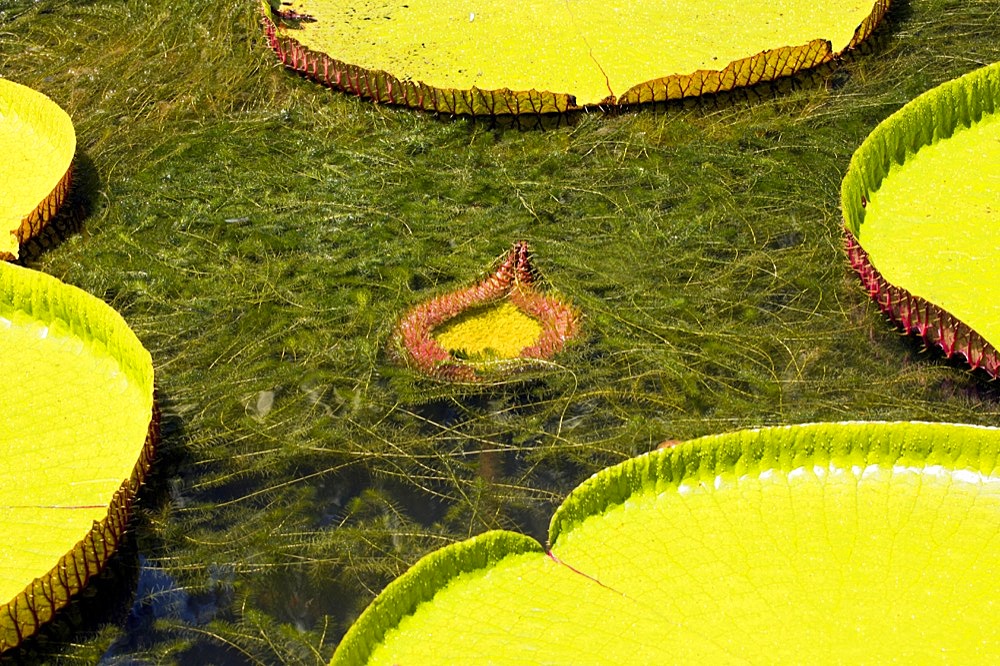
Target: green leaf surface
{"type": "Point", "coordinates": [871, 541]}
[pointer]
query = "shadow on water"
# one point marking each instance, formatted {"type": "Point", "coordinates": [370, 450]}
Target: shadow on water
{"type": "Point", "coordinates": [105, 600]}
{"type": "Point", "coordinates": [967, 384]}
{"type": "Point", "coordinates": [475, 430]}
{"type": "Point", "coordinates": [133, 594]}
{"type": "Point", "coordinates": [162, 607]}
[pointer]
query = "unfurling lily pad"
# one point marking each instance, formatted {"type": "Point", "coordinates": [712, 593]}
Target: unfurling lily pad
{"type": "Point", "coordinates": [496, 58]}
{"type": "Point", "coordinates": [77, 429]}
{"type": "Point", "coordinates": [37, 142]}
{"type": "Point", "coordinates": [921, 204]}
{"type": "Point", "coordinates": [495, 327]}
{"type": "Point", "coordinates": [843, 542]}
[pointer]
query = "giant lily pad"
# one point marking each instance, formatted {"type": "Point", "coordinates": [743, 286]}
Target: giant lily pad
{"type": "Point", "coordinates": [848, 542]}
{"type": "Point", "coordinates": [492, 57]}
{"type": "Point", "coordinates": [77, 427]}
{"type": "Point", "coordinates": [921, 203]}
{"type": "Point", "coordinates": [37, 142]}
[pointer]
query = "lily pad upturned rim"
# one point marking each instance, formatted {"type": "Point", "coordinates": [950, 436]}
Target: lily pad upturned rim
{"type": "Point", "coordinates": [61, 125]}
{"type": "Point", "coordinates": [928, 118]}
{"type": "Point", "coordinates": [515, 280]}
{"type": "Point", "coordinates": [46, 299]}
{"type": "Point", "coordinates": [910, 444]}
{"type": "Point", "coordinates": [385, 88]}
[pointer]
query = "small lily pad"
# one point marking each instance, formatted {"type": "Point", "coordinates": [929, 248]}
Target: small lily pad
{"type": "Point", "coordinates": [497, 326]}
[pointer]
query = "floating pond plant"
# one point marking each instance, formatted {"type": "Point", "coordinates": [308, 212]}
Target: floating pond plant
{"type": "Point", "coordinates": [921, 203]}
{"type": "Point", "coordinates": [492, 328]}
{"type": "Point", "coordinates": [77, 433]}
{"type": "Point", "coordinates": [779, 545]}
{"type": "Point", "coordinates": [38, 142]}
{"type": "Point", "coordinates": [500, 58]}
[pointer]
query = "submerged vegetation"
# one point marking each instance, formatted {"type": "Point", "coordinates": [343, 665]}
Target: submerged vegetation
{"type": "Point", "coordinates": [262, 235]}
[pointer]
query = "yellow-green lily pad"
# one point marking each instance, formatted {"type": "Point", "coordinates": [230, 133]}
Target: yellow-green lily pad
{"type": "Point", "coordinates": [837, 542]}
{"type": "Point", "coordinates": [493, 57]}
{"type": "Point", "coordinates": [38, 142]}
{"type": "Point", "coordinates": [77, 429]}
{"type": "Point", "coordinates": [921, 203]}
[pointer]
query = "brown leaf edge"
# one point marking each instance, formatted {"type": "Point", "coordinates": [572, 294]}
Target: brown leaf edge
{"type": "Point", "coordinates": [384, 88]}
{"type": "Point", "coordinates": [515, 279]}
{"type": "Point", "coordinates": [21, 617]}
{"type": "Point", "coordinates": [765, 66]}
{"type": "Point", "coordinates": [33, 224]}
{"type": "Point", "coordinates": [935, 325]}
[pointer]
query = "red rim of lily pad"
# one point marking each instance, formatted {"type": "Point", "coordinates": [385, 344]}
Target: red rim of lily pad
{"type": "Point", "coordinates": [515, 280]}
{"type": "Point", "coordinates": [916, 315]}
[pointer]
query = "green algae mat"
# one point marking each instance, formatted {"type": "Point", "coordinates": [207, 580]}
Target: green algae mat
{"type": "Point", "coordinates": [870, 541]}
{"type": "Point", "coordinates": [921, 204]}
{"type": "Point", "coordinates": [37, 142]}
{"type": "Point", "coordinates": [76, 436]}
{"type": "Point", "coordinates": [540, 57]}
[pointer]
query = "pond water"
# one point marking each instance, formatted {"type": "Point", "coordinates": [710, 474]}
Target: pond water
{"type": "Point", "coordinates": [263, 235]}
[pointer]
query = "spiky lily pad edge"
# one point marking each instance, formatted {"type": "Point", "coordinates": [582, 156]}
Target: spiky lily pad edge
{"type": "Point", "coordinates": [916, 315]}
{"type": "Point", "coordinates": [33, 224]}
{"type": "Point", "coordinates": [46, 297]}
{"type": "Point", "coordinates": [932, 116]}
{"type": "Point", "coordinates": [769, 65]}
{"type": "Point", "coordinates": [384, 88]}
{"type": "Point", "coordinates": [24, 615]}
{"type": "Point", "coordinates": [788, 447]}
